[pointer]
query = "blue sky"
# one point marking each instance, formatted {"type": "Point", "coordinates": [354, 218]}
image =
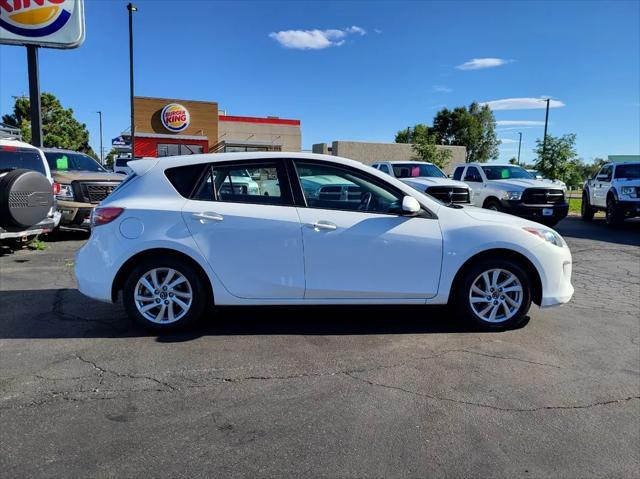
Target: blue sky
{"type": "Point", "coordinates": [360, 70]}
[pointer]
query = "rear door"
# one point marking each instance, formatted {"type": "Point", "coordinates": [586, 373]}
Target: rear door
{"type": "Point", "coordinates": [250, 234]}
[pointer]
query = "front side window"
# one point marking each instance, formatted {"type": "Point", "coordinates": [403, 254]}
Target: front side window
{"type": "Point", "coordinates": [339, 188]}
{"type": "Point", "coordinates": [457, 175]}
{"type": "Point", "coordinates": [416, 169]}
{"type": "Point", "coordinates": [61, 161]}
{"type": "Point", "coordinates": [605, 173]}
{"type": "Point", "coordinates": [506, 173]}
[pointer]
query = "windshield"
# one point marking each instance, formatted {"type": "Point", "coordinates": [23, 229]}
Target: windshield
{"type": "Point", "coordinates": [61, 161]}
{"type": "Point", "coordinates": [628, 171]}
{"type": "Point", "coordinates": [414, 170]}
{"type": "Point", "coordinates": [506, 173]}
{"type": "Point", "coordinates": [12, 158]}
{"type": "Point", "coordinates": [240, 173]}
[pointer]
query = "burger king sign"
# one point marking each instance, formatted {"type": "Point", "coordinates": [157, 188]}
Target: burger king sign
{"type": "Point", "coordinates": [45, 23]}
{"type": "Point", "coordinates": [175, 117]}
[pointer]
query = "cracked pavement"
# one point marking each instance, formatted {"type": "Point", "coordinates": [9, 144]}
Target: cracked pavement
{"type": "Point", "coordinates": [335, 392]}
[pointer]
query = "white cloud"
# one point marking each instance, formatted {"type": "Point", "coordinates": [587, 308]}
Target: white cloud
{"type": "Point", "coordinates": [356, 29]}
{"type": "Point", "coordinates": [442, 89]}
{"type": "Point", "coordinates": [508, 141]}
{"type": "Point", "coordinates": [519, 123]}
{"type": "Point", "coordinates": [480, 63]}
{"type": "Point", "coordinates": [314, 39]}
{"type": "Point", "coordinates": [377, 30]}
{"type": "Point", "coordinates": [522, 104]}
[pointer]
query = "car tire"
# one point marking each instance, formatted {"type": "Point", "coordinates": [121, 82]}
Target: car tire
{"type": "Point", "coordinates": [497, 313]}
{"type": "Point", "coordinates": [493, 205]}
{"type": "Point", "coordinates": [178, 291]}
{"type": "Point", "coordinates": [613, 216]}
{"type": "Point", "coordinates": [586, 211]}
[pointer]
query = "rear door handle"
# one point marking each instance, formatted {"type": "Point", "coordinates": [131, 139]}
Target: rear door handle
{"type": "Point", "coordinates": [323, 226]}
{"type": "Point", "coordinates": [207, 216]}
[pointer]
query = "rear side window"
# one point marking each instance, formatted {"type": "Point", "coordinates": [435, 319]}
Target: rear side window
{"type": "Point", "coordinates": [457, 175]}
{"type": "Point", "coordinates": [12, 158]}
{"type": "Point", "coordinates": [384, 169]}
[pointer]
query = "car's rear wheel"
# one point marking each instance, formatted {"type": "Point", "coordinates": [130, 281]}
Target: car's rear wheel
{"type": "Point", "coordinates": [494, 294]}
{"type": "Point", "coordinates": [586, 211]}
{"type": "Point", "coordinates": [164, 294]}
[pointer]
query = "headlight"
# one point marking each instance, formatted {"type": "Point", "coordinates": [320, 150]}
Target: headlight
{"type": "Point", "coordinates": [66, 192]}
{"type": "Point", "coordinates": [547, 235]}
{"type": "Point", "coordinates": [512, 195]}
{"type": "Point", "coordinates": [629, 191]}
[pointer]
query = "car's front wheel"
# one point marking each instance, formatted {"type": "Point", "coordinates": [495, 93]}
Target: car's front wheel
{"type": "Point", "coordinates": [494, 294]}
{"type": "Point", "coordinates": [164, 294]}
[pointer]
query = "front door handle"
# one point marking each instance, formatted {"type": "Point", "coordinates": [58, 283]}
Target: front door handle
{"type": "Point", "coordinates": [207, 216]}
{"type": "Point", "coordinates": [323, 226]}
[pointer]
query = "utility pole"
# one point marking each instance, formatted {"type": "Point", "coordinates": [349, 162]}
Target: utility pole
{"type": "Point", "coordinates": [546, 123]}
{"type": "Point", "coordinates": [101, 149]}
{"type": "Point", "coordinates": [34, 96]}
{"type": "Point", "coordinates": [131, 8]}
{"type": "Point", "coordinates": [519, 145]}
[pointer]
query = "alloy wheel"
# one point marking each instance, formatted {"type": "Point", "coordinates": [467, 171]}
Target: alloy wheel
{"type": "Point", "coordinates": [163, 295]}
{"type": "Point", "coordinates": [496, 295]}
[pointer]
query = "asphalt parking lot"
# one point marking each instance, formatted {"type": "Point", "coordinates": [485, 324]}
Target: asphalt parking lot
{"type": "Point", "coordinates": [335, 392]}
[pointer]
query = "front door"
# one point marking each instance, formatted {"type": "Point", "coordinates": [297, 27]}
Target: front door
{"type": "Point", "coordinates": [243, 220]}
{"type": "Point", "coordinates": [357, 244]}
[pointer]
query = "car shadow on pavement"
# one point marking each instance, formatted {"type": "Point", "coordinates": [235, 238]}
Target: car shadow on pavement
{"type": "Point", "coordinates": [628, 233]}
{"type": "Point", "coordinates": [65, 313]}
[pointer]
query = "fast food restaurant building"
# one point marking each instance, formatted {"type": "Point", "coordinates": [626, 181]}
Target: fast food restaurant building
{"type": "Point", "coordinates": [168, 127]}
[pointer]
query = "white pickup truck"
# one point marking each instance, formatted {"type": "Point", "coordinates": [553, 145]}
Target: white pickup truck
{"type": "Point", "coordinates": [614, 189]}
{"type": "Point", "coordinates": [427, 178]}
{"type": "Point", "coordinates": [512, 189]}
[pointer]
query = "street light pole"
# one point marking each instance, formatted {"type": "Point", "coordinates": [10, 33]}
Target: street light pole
{"type": "Point", "coordinates": [519, 145]}
{"type": "Point", "coordinates": [101, 150]}
{"type": "Point", "coordinates": [546, 122]}
{"type": "Point", "coordinates": [131, 8]}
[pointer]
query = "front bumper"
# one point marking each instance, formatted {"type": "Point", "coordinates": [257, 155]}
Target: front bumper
{"type": "Point", "coordinates": [535, 212]}
{"type": "Point", "coordinates": [555, 274]}
{"type": "Point", "coordinates": [77, 215]}
{"type": "Point", "coordinates": [629, 208]}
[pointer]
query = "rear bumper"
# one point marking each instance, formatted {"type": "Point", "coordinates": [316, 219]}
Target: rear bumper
{"type": "Point", "coordinates": [45, 226]}
{"type": "Point", "coordinates": [536, 212]}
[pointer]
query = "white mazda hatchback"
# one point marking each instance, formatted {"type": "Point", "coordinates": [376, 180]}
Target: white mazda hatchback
{"type": "Point", "coordinates": [182, 234]}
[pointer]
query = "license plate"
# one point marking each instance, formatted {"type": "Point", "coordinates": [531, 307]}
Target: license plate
{"type": "Point", "coordinates": [547, 211]}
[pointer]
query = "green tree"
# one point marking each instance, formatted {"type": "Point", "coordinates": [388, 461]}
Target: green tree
{"type": "Point", "coordinates": [472, 127]}
{"type": "Point", "coordinates": [59, 127]}
{"type": "Point", "coordinates": [558, 160]}
{"type": "Point", "coordinates": [426, 149]}
{"type": "Point", "coordinates": [424, 144]}
{"type": "Point", "coordinates": [513, 161]}
{"type": "Point", "coordinates": [410, 134]}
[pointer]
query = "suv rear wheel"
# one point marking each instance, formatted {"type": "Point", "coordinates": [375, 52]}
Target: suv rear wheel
{"type": "Point", "coordinates": [492, 204]}
{"type": "Point", "coordinates": [164, 294]}
{"type": "Point", "coordinates": [494, 294]}
{"type": "Point", "coordinates": [586, 210]}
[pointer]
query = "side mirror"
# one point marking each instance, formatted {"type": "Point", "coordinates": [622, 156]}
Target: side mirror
{"type": "Point", "coordinates": [410, 205]}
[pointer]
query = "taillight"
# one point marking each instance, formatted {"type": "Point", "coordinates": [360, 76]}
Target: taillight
{"type": "Point", "coordinates": [104, 215]}
{"type": "Point", "coordinates": [8, 148]}
{"type": "Point", "coordinates": [56, 188]}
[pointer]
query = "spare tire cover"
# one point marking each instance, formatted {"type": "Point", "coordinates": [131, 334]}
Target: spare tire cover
{"type": "Point", "coordinates": [26, 197]}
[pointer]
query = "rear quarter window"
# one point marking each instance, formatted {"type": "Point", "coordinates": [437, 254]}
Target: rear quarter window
{"type": "Point", "coordinates": [186, 178]}
{"type": "Point", "coordinates": [457, 175]}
